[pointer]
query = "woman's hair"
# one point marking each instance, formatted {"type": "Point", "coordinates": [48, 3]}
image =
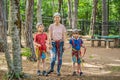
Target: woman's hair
{"type": "Point", "coordinates": [56, 14]}
{"type": "Point", "coordinates": [39, 24]}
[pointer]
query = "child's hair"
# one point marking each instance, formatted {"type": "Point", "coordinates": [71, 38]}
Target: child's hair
{"type": "Point", "coordinates": [75, 31]}
{"type": "Point", "coordinates": [39, 24]}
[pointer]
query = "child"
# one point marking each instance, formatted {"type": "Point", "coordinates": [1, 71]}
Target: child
{"type": "Point", "coordinates": [40, 48]}
{"type": "Point", "coordinates": [76, 44]}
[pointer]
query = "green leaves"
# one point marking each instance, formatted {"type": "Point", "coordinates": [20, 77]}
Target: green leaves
{"type": "Point", "coordinates": [26, 52]}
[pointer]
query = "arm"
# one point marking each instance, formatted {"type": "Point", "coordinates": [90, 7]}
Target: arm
{"type": "Point", "coordinates": [69, 46]}
{"type": "Point", "coordinates": [65, 37]}
{"type": "Point", "coordinates": [49, 38]}
{"type": "Point", "coordinates": [36, 44]}
{"type": "Point", "coordinates": [35, 41]}
{"type": "Point", "coordinates": [64, 34]}
{"type": "Point", "coordinates": [84, 50]}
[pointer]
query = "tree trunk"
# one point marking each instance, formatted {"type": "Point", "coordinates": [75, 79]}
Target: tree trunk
{"type": "Point", "coordinates": [16, 49]}
{"type": "Point", "coordinates": [9, 18]}
{"type": "Point", "coordinates": [53, 6]}
{"type": "Point", "coordinates": [39, 11]}
{"type": "Point", "coordinates": [70, 13]}
{"type": "Point", "coordinates": [75, 13]}
{"type": "Point", "coordinates": [60, 5]}
{"type": "Point", "coordinates": [93, 17]}
{"type": "Point", "coordinates": [19, 20]}
{"type": "Point", "coordinates": [2, 19]}
{"type": "Point", "coordinates": [5, 12]}
{"type": "Point", "coordinates": [28, 24]}
{"type": "Point", "coordinates": [3, 37]}
{"type": "Point", "coordinates": [104, 18]}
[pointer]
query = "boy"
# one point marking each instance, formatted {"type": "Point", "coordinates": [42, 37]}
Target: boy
{"type": "Point", "coordinates": [40, 48]}
{"type": "Point", "coordinates": [76, 44]}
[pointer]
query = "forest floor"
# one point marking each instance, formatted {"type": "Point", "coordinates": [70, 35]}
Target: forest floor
{"type": "Point", "coordinates": [99, 64]}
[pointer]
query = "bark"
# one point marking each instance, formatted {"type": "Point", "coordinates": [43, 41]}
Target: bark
{"type": "Point", "coordinates": [104, 18]}
{"type": "Point", "coordinates": [28, 24]}
{"type": "Point", "coordinates": [19, 20]}
{"type": "Point", "coordinates": [53, 4]}
{"type": "Point", "coordinates": [1, 25]}
{"type": "Point", "coordinates": [9, 18]}
{"type": "Point", "coordinates": [75, 13]}
{"type": "Point", "coordinates": [70, 13]}
{"type": "Point", "coordinates": [16, 49]}
{"type": "Point", "coordinates": [93, 17]}
{"type": "Point", "coordinates": [60, 5]}
{"type": "Point", "coordinates": [5, 13]}
{"type": "Point", "coordinates": [3, 37]}
{"type": "Point", "coordinates": [39, 11]}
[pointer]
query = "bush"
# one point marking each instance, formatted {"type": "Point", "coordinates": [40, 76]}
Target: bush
{"type": "Point", "coordinates": [26, 52]}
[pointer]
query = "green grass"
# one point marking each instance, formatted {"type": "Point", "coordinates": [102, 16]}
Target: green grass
{"type": "Point", "coordinates": [115, 68]}
{"type": "Point", "coordinates": [91, 57]}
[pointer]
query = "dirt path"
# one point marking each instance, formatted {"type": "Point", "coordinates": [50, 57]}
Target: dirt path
{"type": "Point", "coordinates": [100, 64]}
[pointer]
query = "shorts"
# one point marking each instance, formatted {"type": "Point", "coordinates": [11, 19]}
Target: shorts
{"type": "Point", "coordinates": [42, 56]}
{"type": "Point", "coordinates": [75, 60]}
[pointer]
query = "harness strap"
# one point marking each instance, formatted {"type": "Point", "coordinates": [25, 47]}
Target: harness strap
{"type": "Point", "coordinates": [58, 50]}
{"type": "Point", "coordinates": [76, 53]}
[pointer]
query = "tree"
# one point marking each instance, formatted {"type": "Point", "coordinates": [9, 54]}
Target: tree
{"type": "Point", "coordinates": [3, 37]}
{"type": "Point", "coordinates": [15, 67]}
{"type": "Point", "coordinates": [16, 49]}
{"type": "Point", "coordinates": [60, 5]}
{"type": "Point", "coordinates": [5, 24]}
{"type": "Point", "coordinates": [104, 18]}
{"type": "Point", "coordinates": [75, 14]}
{"type": "Point", "coordinates": [93, 17]}
{"type": "Point", "coordinates": [70, 13]}
{"type": "Point", "coordinates": [39, 11]}
{"type": "Point", "coordinates": [53, 8]}
{"type": "Point", "coordinates": [28, 25]}
{"type": "Point", "coordinates": [18, 21]}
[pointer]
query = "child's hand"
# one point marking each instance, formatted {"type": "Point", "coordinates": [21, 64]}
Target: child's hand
{"type": "Point", "coordinates": [50, 46]}
{"type": "Point", "coordinates": [64, 48]}
{"type": "Point", "coordinates": [38, 45]}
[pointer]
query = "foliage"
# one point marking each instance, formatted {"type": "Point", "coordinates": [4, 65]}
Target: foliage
{"type": "Point", "coordinates": [84, 12]}
{"type": "Point", "coordinates": [115, 68]}
{"type": "Point", "coordinates": [26, 52]}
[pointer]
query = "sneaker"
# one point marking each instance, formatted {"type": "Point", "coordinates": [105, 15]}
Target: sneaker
{"type": "Point", "coordinates": [38, 73]}
{"type": "Point", "coordinates": [58, 74]}
{"type": "Point", "coordinates": [50, 71]}
{"type": "Point", "coordinates": [74, 73]}
{"type": "Point", "coordinates": [44, 73]}
{"type": "Point", "coordinates": [81, 73]}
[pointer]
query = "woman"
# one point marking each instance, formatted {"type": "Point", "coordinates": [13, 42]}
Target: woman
{"type": "Point", "coordinates": [57, 36]}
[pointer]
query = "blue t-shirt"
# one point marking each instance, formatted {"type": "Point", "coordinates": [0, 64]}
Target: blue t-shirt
{"type": "Point", "coordinates": [76, 43]}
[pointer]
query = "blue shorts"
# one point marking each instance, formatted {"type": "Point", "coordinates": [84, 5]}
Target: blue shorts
{"type": "Point", "coordinates": [43, 56]}
{"type": "Point", "coordinates": [75, 60]}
